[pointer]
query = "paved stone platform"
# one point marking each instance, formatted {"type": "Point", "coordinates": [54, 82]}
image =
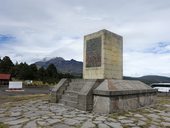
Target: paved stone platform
{"type": "Point", "coordinates": [40, 113]}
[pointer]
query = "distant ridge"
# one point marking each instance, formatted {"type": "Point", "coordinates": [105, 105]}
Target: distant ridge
{"type": "Point", "coordinates": [65, 66]}
{"type": "Point", "coordinates": [149, 79]}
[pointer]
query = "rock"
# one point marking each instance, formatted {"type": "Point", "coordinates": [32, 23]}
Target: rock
{"type": "Point", "coordinates": [126, 121]}
{"type": "Point", "coordinates": [31, 124]}
{"type": "Point", "coordinates": [81, 118]}
{"type": "Point", "coordinates": [19, 121]}
{"type": "Point", "coordinates": [2, 115]}
{"type": "Point", "coordinates": [88, 124]}
{"type": "Point", "coordinates": [138, 116]}
{"type": "Point", "coordinates": [71, 122]}
{"type": "Point", "coordinates": [101, 118]}
{"type": "Point", "coordinates": [103, 126]}
{"type": "Point", "coordinates": [122, 117]}
{"type": "Point", "coordinates": [16, 126]}
{"type": "Point", "coordinates": [61, 126]}
{"type": "Point", "coordinates": [41, 122]}
{"type": "Point", "coordinates": [68, 116]}
{"type": "Point", "coordinates": [167, 119]}
{"type": "Point", "coordinates": [14, 114]}
{"type": "Point", "coordinates": [115, 125]}
{"type": "Point", "coordinates": [53, 121]}
{"type": "Point", "coordinates": [141, 123]}
{"type": "Point", "coordinates": [111, 120]}
{"type": "Point", "coordinates": [153, 116]}
{"type": "Point", "coordinates": [166, 124]}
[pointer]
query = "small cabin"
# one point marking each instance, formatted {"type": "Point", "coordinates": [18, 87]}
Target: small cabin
{"type": "Point", "coordinates": [4, 79]}
{"type": "Point", "coordinates": [162, 87]}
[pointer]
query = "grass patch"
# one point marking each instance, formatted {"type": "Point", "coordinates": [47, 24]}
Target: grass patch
{"type": "Point", "coordinates": [2, 125]}
{"type": "Point", "coordinates": [8, 100]}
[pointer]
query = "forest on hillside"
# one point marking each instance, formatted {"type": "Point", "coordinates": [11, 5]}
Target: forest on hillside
{"type": "Point", "coordinates": [23, 71]}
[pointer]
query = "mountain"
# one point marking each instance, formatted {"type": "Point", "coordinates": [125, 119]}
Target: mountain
{"type": "Point", "coordinates": [149, 79]}
{"type": "Point", "coordinates": [76, 67]}
{"type": "Point", "coordinates": [65, 66]}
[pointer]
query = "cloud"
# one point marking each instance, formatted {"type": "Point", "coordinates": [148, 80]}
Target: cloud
{"type": "Point", "coordinates": [51, 28]}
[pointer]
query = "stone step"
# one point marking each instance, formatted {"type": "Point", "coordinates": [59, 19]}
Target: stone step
{"type": "Point", "coordinates": [71, 93]}
{"type": "Point", "coordinates": [68, 103]}
{"type": "Point", "coordinates": [74, 88]}
{"type": "Point", "coordinates": [76, 84]}
{"type": "Point", "coordinates": [69, 98]}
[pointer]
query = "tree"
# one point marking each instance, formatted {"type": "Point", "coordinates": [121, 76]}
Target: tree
{"type": "Point", "coordinates": [51, 71]}
{"type": "Point", "coordinates": [52, 74]}
{"type": "Point", "coordinates": [6, 65]}
{"type": "Point", "coordinates": [41, 74]}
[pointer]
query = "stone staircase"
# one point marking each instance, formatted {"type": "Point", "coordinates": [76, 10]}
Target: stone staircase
{"type": "Point", "coordinates": [70, 95]}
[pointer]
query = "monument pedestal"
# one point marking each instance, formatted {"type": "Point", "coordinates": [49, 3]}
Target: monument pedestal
{"type": "Point", "coordinates": [122, 95]}
{"type": "Point", "coordinates": [103, 95]}
{"type": "Point", "coordinates": [102, 89]}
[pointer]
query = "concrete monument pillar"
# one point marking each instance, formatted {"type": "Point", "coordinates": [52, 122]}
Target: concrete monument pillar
{"type": "Point", "coordinates": [103, 56]}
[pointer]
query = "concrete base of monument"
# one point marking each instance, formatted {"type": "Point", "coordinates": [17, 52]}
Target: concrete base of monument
{"type": "Point", "coordinates": [122, 95]}
{"type": "Point", "coordinates": [103, 96]}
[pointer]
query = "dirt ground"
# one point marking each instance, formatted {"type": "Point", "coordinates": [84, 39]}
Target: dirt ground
{"type": "Point", "coordinates": [23, 95]}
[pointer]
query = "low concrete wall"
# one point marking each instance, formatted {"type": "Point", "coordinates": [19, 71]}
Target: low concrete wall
{"type": "Point", "coordinates": [116, 95]}
{"type": "Point", "coordinates": [58, 91]}
{"type": "Point", "coordinates": [103, 104]}
{"type": "Point", "coordinates": [85, 96]}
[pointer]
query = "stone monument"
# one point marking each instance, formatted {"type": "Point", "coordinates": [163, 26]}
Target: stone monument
{"type": "Point", "coordinates": [103, 56]}
{"type": "Point", "coordinates": [102, 89]}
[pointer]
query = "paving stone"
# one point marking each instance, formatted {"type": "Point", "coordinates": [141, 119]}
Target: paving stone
{"type": "Point", "coordinates": [31, 124]}
{"type": "Point", "coordinates": [81, 118]}
{"type": "Point", "coordinates": [14, 114]}
{"type": "Point", "coordinates": [15, 122]}
{"type": "Point", "coordinates": [97, 122]}
{"type": "Point", "coordinates": [115, 125]}
{"type": "Point", "coordinates": [42, 123]}
{"type": "Point", "coordinates": [153, 116]}
{"type": "Point", "coordinates": [2, 115]}
{"type": "Point", "coordinates": [88, 124]}
{"type": "Point", "coordinates": [16, 126]}
{"type": "Point", "coordinates": [69, 116]}
{"type": "Point", "coordinates": [166, 124]}
{"type": "Point", "coordinates": [141, 123]}
{"type": "Point", "coordinates": [100, 118]}
{"type": "Point", "coordinates": [130, 125]}
{"type": "Point", "coordinates": [153, 126]}
{"type": "Point", "coordinates": [45, 117]}
{"type": "Point", "coordinates": [103, 126]}
{"type": "Point", "coordinates": [111, 120]}
{"type": "Point", "coordinates": [53, 121]}
{"type": "Point", "coordinates": [138, 116]}
{"type": "Point", "coordinates": [62, 126]}
{"type": "Point", "coordinates": [71, 122]}
{"type": "Point", "coordinates": [167, 119]}
{"type": "Point", "coordinates": [121, 117]}
{"type": "Point", "coordinates": [126, 121]}
{"type": "Point", "coordinates": [56, 117]}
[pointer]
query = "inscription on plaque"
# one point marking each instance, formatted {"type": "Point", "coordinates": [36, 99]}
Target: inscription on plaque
{"type": "Point", "coordinates": [93, 52]}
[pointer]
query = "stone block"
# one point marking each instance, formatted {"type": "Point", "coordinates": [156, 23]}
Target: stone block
{"type": "Point", "coordinates": [103, 50]}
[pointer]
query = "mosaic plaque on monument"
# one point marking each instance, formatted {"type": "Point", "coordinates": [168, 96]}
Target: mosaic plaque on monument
{"type": "Point", "coordinates": [93, 52]}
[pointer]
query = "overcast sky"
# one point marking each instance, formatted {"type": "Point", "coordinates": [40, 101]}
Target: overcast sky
{"type": "Point", "coordinates": [33, 29]}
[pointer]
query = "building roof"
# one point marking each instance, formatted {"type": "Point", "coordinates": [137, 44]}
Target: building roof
{"type": "Point", "coordinates": [5, 76]}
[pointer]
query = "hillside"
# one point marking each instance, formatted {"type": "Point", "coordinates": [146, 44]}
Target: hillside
{"type": "Point", "coordinates": [65, 66]}
{"type": "Point", "coordinates": [149, 79]}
